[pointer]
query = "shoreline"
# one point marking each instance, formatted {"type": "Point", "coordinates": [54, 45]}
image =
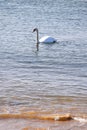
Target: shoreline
{"type": "Point", "coordinates": [15, 123]}
{"type": "Point", "coordinates": [41, 120]}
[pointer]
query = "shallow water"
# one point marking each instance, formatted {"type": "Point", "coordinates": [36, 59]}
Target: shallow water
{"type": "Point", "coordinates": [53, 79]}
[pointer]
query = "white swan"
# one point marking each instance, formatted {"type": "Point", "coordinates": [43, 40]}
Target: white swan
{"type": "Point", "coordinates": [45, 39]}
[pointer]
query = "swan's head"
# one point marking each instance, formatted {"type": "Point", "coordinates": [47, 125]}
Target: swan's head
{"type": "Point", "coordinates": [35, 29]}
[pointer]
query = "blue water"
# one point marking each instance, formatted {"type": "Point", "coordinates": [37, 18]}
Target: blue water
{"type": "Point", "coordinates": [55, 76]}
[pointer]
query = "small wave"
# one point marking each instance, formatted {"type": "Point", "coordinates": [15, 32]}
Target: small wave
{"type": "Point", "coordinates": [37, 115]}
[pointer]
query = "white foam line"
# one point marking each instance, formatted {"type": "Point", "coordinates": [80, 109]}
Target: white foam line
{"type": "Point", "coordinates": [80, 119]}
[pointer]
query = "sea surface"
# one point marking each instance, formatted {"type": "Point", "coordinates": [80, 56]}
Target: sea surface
{"type": "Point", "coordinates": [52, 80]}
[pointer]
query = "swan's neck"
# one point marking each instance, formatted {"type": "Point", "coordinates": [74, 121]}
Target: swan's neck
{"type": "Point", "coordinates": [37, 40]}
{"type": "Point", "coordinates": [37, 36]}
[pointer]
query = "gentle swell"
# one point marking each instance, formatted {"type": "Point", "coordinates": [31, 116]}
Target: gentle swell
{"type": "Point", "coordinates": [37, 115]}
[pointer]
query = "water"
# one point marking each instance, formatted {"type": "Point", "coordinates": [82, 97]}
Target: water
{"type": "Point", "coordinates": [55, 78]}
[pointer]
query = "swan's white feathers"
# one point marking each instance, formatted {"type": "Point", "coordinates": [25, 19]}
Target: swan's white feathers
{"type": "Point", "coordinates": [47, 39]}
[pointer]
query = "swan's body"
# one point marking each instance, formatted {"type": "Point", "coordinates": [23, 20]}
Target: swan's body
{"type": "Point", "coordinates": [45, 39]}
